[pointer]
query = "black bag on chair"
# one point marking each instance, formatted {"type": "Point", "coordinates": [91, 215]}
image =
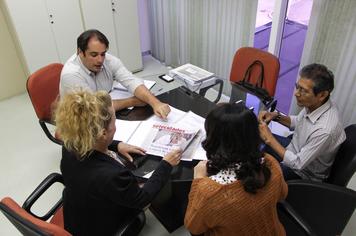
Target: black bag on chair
{"type": "Point", "coordinates": [256, 89]}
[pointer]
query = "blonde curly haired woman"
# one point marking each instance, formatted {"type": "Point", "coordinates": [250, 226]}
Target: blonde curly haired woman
{"type": "Point", "coordinates": [100, 192]}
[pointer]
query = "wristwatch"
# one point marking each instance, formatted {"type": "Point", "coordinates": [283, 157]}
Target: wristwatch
{"type": "Point", "coordinates": [278, 117]}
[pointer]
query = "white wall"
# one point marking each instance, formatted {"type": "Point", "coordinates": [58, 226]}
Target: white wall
{"type": "Point", "coordinates": [12, 72]}
{"type": "Point", "coordinates": [145, 37]}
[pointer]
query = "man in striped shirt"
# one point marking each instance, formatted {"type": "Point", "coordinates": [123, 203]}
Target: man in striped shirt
{"type": "Point", "coordinates": [318, 132]}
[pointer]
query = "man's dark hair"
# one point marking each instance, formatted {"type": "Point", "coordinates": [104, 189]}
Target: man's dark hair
{"type": "Point", "coordinates": [232, 139]}
{"type": "Point", "coordinates": [322, 77]}
{"type": "Point", "coordinates": [83, 39]}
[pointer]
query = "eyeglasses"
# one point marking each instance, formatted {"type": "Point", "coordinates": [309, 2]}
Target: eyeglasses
{"type": "Point", "coordinates": [301, 90]}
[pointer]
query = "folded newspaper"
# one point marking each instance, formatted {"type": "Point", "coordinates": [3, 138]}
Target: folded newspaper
{"type": "Point", "coordinates": [183, 130]}
{"type": "Point", "coordinates": [162, 139]}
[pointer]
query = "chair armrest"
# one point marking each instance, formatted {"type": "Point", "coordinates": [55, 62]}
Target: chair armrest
{"type": "Point", "coordinates": [134, 223]}
{"type": "Point", "coordinates": [203, 91]}
{"type": "Point", "coordinates": [48, 133]}
{"type": "Point", "coordinates": [326, 207]}
{"type": "Point", "coordinates": [292, 221]}
{"type": "Point", "coordinates": [41, 188]}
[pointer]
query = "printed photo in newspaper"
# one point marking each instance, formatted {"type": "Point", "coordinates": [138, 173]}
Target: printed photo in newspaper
{"type": "Point", "coordinates": [163, 138]}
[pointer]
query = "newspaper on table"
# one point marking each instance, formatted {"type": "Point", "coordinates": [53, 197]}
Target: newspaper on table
{"type": "Point", "coordinates": [183, 130]}
{"type": "Point", "coordinates": [163, 139]}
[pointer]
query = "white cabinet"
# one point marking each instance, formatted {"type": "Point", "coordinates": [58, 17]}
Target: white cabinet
{"type": "Point", "coordinates": [118, 20]}
{"type": "Point", "coordinates": [46, 29]}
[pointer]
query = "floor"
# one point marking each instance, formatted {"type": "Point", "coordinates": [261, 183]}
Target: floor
{"type": "Point", "coordinates": [27, 156]}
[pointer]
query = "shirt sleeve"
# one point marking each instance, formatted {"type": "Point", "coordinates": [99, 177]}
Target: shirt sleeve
{"type": "Point", "coordinates": [122, 74]}
{"type": "Point", "coordinates": [317, 142]}
{"type": "Point", "coordinates": [194, 215]}
{"type": "Point", "coordinates": [293, 121]}
{"type": "Point", "coordinates": [72, 82]}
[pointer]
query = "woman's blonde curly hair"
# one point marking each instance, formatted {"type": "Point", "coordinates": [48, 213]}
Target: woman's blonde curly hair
{"type": "Point", "coordinates": [81, 118]}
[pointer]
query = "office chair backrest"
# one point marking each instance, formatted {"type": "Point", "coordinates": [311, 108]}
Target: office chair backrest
{"type": "Point", "coordinates": [30, 225]}
{"type": "Point", "coordinates": [43, 89]}
{"type": "Point", "coordinates": [246, 56]}
{"type": "Point", "coordinates": [344, 165]}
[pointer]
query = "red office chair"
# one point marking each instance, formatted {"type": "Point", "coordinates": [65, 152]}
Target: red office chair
{"type": "Point", "coordinates": [30, 224]}
{"type": "Point", "coordinates": [43, 89]}
{"type": "Point", "coordinates": [243, 58]}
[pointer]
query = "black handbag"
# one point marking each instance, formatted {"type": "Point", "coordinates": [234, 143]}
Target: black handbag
{"type": "Point", "coordinates": [256, 89]}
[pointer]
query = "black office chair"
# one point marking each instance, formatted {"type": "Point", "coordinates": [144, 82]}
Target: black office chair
{"type": "Point", "coordinates": [327, 207]}
{"type": "Point", "coordinates": [345, 161]}
{"type": "Point", "coordinates": [293, 223]}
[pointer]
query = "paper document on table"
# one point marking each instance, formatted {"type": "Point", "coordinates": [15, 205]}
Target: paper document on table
{"type": "Point", "coordinates": [145, 126]}
{"type": "Point", "coordinates": [125, 129]}
{"type": "Point", "coordinates": [159, 137]}
{"type": "Point", "coordinates": [193, 120]}
{"type": "Point", "coordinates": [148, 175]}
{"type": "Point", "coordinates": [120, 92]}
{"type": "Point", "coordinates": [148, 84]}
{"type": "Point", "coordinates": [173, 116]}
{"type": "Point", "coordinates": [163, 139]}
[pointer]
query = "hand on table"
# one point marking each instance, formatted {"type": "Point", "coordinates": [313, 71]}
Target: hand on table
{"type": "Point", "coordinates": [161, 110]}
{"type": "Point", "coordinates": [125, 149]}
{"type": "Point", "coordinates": [173, 158]}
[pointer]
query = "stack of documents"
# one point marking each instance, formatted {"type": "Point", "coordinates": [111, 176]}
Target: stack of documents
{"type": "Point", "coordinates": [192, 77]}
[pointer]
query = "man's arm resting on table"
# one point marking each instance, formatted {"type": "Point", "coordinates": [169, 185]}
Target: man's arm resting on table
{"type": "Point", "coordinates": [120, 104]}
{"type": "Point", "coordinates": [159, 108]}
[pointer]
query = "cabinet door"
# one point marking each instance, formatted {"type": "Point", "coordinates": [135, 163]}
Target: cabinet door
{"type": "Point", "coordinates": [32, 27]}
{"type": "Point", "coordinates": [66, 22]}
{"type": "Point", "coordinates": [127, 31]}
{"type": "Point", "coordinates": [97, 14]}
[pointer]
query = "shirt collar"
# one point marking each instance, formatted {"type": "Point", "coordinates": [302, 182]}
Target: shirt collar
{"type": "Point", "coordinates": [314, 116]}
{"type": "Point", "coordinates": [90, 73]}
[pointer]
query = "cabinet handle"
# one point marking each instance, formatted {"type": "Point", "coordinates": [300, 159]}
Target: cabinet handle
{"type": "Point", "coordinates": [52, 22]}
{"type": "Point", "coordinates": [113, 9]}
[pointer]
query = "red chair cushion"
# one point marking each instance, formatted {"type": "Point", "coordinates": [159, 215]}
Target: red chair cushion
{"type": "Point", "coordinates": [43, 88]}
{"type": "Point", "coordinates": [51, 228]}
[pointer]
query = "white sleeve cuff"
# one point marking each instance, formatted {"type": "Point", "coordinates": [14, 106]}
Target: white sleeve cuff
{"type": "Point", "coordinates": [290, 160]}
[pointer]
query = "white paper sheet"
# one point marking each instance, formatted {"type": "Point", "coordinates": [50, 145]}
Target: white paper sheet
{"type": "Point", "coordinates": [174, 116]}
{"type": "Point", "coordinates": [148, 84]}
{"type": "Point", "coordinates": [135, 132]}
{"type": "Point", "coordinates": [120, 92]}
{"type": "Point", "coordinates": [124, 129]}
{"type": "Point", "coordinates": [193, 120]}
